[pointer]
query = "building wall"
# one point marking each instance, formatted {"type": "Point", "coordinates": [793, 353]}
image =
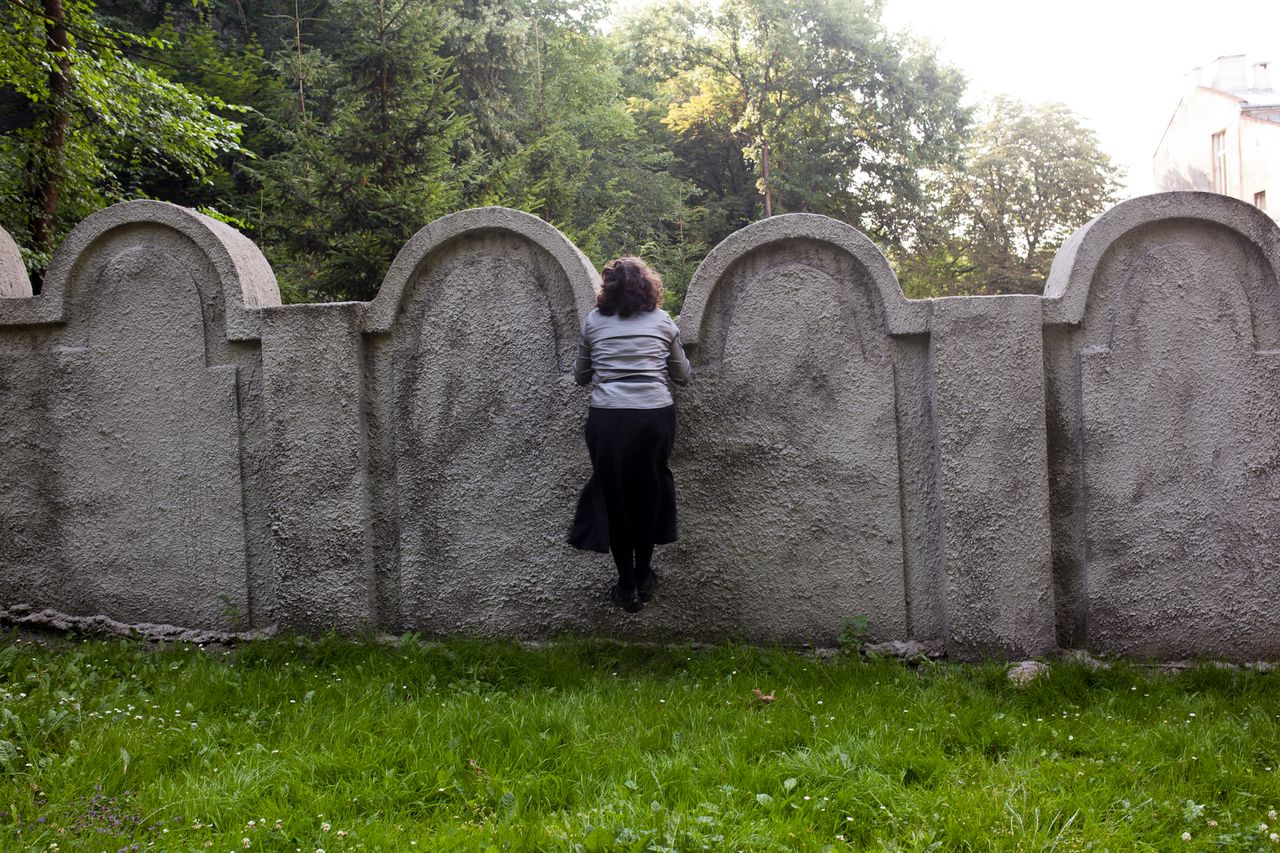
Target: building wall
{"type": "Point", "coordinates": [990, 476]}
{"type": "Point", "coordinates": [1260, 148]}
{"type": "Point", "coordinates": [1184, 159]}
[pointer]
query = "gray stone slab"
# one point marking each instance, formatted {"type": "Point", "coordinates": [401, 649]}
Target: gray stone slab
{"type": "Point", "coordinates": [989, 406]}
{"type": "Point", "coordinates": [14, 282]}
{"type": "Point", "coordinates": [924, 555]}
{"type": "Point", "coordinates": [477, 432]}
{"type": "Point", "coordinates": [30, 547]}
{"type": "Point", "coordinates": [787, 456]}
{"type": "Point", "coordinates": [980, 475]}
{"type": "Point", "coordinates": [314, 398]}
{"type": "Point", "coordinates": [128, 497]}
{"type": "Point", "coordinates": [1168, 515]}
{"type": "Point", "coordinates": [243, 274]}
{"type": "Point", "coordinates": [149, 513]}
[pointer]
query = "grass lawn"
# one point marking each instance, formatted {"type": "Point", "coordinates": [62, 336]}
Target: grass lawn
{"type": "Point", "coordinates": [292, 744]}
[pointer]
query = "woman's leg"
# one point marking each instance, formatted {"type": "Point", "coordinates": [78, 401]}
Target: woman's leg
{"type": "Point", "coordinates": [644, 560]}
{"type": "Point", "coordinates": [623, 558]}
{"type": "Point", "coordinates": [629, 452]}
{"type": "Point", "coordinates": [646, 580]}
{"type": "Point", "coordinates": [610, 440]}
{"type": "Point", "coordinates": [651, 481]}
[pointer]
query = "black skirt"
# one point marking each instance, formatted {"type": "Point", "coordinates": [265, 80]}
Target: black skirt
{"type": "Point", "coordinates": [631, 496]}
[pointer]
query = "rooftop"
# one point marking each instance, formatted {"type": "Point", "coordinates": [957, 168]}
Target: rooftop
{"type": "Point", "coordinates": [1235, 76]}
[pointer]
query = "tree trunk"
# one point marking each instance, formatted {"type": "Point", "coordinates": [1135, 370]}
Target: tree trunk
{"type": "Point", "coordinates": [384, 109]}
{"type": "Point", "coordinates": [384, 119]}
{"type": "Point", "coordinates": [764, 171]}
{"type": "Point", "coordinates": [542, 111]}
{"type": "Point", "coordinates": [537, 65]}
{"type": "Point", "coordinates": [48, 183]}
{"type": "Point", "coordinates": [297, 41]}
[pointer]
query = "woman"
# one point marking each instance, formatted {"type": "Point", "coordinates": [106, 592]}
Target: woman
{"type": "Point", "coordinates": [630, 347]}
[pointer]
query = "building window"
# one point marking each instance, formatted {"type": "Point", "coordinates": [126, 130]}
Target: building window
{"type": "Point", "coordinates": [1260, 200]}
{"type": "Point", "coordinates": [1219, 146]}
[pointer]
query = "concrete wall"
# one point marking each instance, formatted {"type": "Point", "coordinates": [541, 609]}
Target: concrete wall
{"type": "Point", "coordinates": [1163, 334]}
{"type": "Point", "coordinates": [989, 476]}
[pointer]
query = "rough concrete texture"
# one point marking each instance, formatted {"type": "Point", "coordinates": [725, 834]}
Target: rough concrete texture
{"type": "Point", "coordinates": [981, 477]}
{"type": "Point", "coordinates": [14, 282]}
{"type": "Point", "coordinates": [791, 362]}
{"type": "Point", "coordinates": [1164, 415]}
{"type": "Point", "coordinates": [989, 408]}
{"type": "Point", "coordinates": [472, 377]}
{"type": "Point", "coordinates": [123, 487]}
{"type": "Point", "coordinates": [312, 359]}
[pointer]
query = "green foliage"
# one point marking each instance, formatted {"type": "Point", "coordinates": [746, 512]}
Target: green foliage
{"type": "Point", "coordinates": [89, 118]}
{"type": "Point", "coordinates": [853, 635]}
{"type": "Point", "coordinates": [364, 159]}
{"type": "Point", "coordinates": [472, 746]}
{"type": "Point", "coordinates": [1032, 175]}
{"type": "Point", "coordinates": [799, 105]}
{"type": "Point", "coordinates": [363, 120]}
{"type": "Point", "coordinates": [572, 150]}
{"type": "Point", "coordinates": [238, 73]}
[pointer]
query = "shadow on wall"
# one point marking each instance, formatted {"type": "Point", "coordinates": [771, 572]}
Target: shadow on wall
{"type": "Point", "coordinates": [989, 476]}
{"type": "Point", "coordinates": [1185, 179]}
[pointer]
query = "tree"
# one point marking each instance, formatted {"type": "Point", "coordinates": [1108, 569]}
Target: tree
{"type": "Point", "coordinates": [82, 113]}
{"type": "Point", "coordinates": [584, 164]}
{"type": "Point", "coordinates": [552, 131]}
{"type": "Point", "coordinates": [829, 112]}
{"type": "Point", "coordinates": [1032, 175]}
{"type": "Point", "coordinates": [365, 155]}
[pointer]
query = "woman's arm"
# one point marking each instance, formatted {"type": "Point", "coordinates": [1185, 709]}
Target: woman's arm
{"type": "Point", "coordinates": [677, 363]}
{"type": "Point", "coordinates": [582, 364]}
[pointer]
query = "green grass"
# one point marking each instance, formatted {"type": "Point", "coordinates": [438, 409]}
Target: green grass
{"type": "Point", "coordinates": [597, 746]}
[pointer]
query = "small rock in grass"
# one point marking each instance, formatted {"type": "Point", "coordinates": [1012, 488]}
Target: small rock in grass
{"type": "Point", "coordinates": [1028, 671]}
{"type": "Point", "coordinates": [1085, 659]}
{"type": "Point", "coordinates": [904, 649]}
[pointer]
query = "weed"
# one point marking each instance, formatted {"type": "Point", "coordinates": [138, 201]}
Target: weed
{"type": "Point", "coordinates": [232, 612]}
{"type": "Point", "coordinates": [853, 635]}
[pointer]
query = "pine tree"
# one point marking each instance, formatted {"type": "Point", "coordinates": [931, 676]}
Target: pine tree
{"type": "Point", "coordinates": [366, 157]}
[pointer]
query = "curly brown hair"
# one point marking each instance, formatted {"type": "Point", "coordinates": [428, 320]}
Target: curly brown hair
{"type": "Point", "coordinates": [630, 287]}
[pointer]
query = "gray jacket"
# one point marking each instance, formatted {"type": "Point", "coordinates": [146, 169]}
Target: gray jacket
{"type": "Point", "coordinates": [630, 359]}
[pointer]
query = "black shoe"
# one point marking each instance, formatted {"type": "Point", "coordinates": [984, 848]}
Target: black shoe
{"type": "Point", "coordinates": [648, 586]}
{"type": "Point", "coordinates": [627, 599]}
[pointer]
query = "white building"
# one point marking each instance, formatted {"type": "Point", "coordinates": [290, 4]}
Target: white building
{"type": "Point", "coordinates": [1225, 135]}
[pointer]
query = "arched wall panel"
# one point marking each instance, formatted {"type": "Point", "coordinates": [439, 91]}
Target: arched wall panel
{"type": "Point", "coordinates": [787, 453]}
{"type": "Point", "coordinates": [1165, 431]}
{"type": "Point", "coordinates": [131, 498]}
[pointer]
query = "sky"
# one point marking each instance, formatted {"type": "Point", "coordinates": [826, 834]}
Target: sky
{"type": "Point", "coordinates": [1119, 64]}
